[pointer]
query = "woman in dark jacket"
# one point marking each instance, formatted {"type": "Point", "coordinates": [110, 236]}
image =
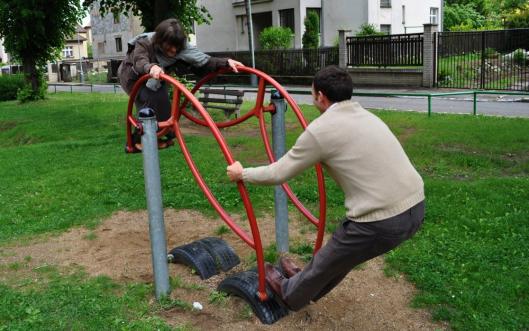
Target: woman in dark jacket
{"type": "Point", "coordinates": [164, 50]}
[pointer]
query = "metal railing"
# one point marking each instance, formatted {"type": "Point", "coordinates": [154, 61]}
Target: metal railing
{"type": "Point", "coordinates": [391, 50]}
{"type": "Point", "coordinates": [287, 62]}
{"type": "Point", "coordinates": [496, 60]}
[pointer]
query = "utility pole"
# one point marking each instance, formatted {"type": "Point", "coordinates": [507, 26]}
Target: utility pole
{"type": "Point", "coordinates": [249, 22]}
{"type": "Point", "coordinates": [80, 57]}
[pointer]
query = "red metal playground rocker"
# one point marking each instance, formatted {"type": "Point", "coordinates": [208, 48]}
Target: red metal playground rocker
{"type": "Point", "coordinates": [207, 255]}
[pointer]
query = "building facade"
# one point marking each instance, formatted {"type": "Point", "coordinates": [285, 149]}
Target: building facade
{"type": "Point", "coordinates": [110, 33]}
{"type": "Point", "coordinates": [74, 53]}
{"type": "Point", "coordinates": [228, 29]}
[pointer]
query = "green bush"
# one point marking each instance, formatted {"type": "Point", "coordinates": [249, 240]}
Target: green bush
{"type": "Point", "coordinates": [9, 86]}
{"type": "Point", "coordinates": [26, 93]}
{"type": "Point", "coordinates": [368, 30]}
{"type": "Point", "coordinates": [312, 30]}
{"type": "Point", "coordinates": [275, 37]}
{"type": "Point", "coordinates": [520, 56]}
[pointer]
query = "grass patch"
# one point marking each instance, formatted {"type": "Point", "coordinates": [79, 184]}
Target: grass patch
{"type": "Point", "coordinates": [63, 165]}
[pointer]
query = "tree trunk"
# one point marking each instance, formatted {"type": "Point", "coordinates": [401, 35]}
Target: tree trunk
{"type": "Point", "coordinates": [31, 74]}
{"type": "Point", "coordinates": [161, 11]}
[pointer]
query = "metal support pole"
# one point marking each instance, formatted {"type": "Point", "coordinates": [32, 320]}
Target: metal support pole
{"type": "Point", "coordinates": [429, 105]}
{"type": "Point", "coordinates": [249, 22]}
{"type": "Point", "coordinates": [475, 110]}
{"type": "Point", "coordinates": [153, 191]}
{"type": "Point", "coordinates": [280, 197]}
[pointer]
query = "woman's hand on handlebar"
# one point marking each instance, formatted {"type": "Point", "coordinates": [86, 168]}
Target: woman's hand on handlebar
{"type": "Point", "coordinates": [155, 72]}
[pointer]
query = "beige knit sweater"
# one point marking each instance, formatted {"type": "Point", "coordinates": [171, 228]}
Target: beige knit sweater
{"type": "Point", "coordinates": [361, 154]}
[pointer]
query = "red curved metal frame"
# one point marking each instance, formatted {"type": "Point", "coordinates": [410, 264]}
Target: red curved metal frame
{"type": "Point", "coordinates": [258, 110]}
{"type": "Point", "coordinates": [173, 123]}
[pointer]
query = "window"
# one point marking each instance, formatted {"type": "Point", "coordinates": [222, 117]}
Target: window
{"type": "Point", "coordinates": [67, 51]}
{"type": "Point", "coordinates": [100, 48]}
{"type": "Point", "coordinates": [434, 15]}
{"type": "Point", "coordinates": [286, 19]}
{"type": "Point", "coordinates": [385, 28]}
{"type": "Point", "coordinates": [241, 19]}
{"type": "Point", "coordinates": [119, 45]}
{"type": "Point", "coordinates": [403, 15]}
{"type": "Point", "coordinates": [385, 3]}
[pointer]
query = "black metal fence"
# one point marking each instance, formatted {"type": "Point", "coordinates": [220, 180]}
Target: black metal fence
{"type": "Point", "coordinates": [383, 51]}
{"type": "Point", "coordinates": [496, 60]}
{"type": "Point", "coordinates": [292, 62]}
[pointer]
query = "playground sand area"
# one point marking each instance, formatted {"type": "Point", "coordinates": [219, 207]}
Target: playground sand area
{"type": "Point", "coordinates": [119, 248]}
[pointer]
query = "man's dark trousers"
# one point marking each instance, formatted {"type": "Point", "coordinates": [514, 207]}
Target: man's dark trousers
{"type": "Point", "coordinates": [351, 244]}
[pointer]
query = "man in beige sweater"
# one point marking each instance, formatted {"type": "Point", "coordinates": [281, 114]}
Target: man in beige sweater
{"type": "Point", "coordinates": [384, 194]}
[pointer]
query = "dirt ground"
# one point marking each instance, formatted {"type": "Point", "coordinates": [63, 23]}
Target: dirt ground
{"type": "Point", "coordinates": [120, 248]}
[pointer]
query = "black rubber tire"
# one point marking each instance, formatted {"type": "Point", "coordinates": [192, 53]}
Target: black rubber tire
{"type": "Point", "coordinates": [245, 284]}
{"type": "Point", "coordinates": [197, 257]}
{"type": "Point", "coordinates": [224, 255]}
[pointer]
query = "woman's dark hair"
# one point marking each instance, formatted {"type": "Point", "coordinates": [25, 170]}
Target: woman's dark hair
{"type": "Point", "coordinates": [335, 83]}
{"type": "Point", "coordinates": [169, 32]}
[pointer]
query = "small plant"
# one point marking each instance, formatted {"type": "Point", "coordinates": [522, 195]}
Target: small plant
{"type": "Point", "coordinates": [270, 254]}
{"type": "Point", "coordinates": [15, 266]}
{"type": "Point", "coordinates": [304, 250]}
{"type": "Point", "coordinates": [178, 282]}
{"type": "Point", "coordinates": [167, 303]}
{"type": "Point", "coordinates": [223, 229]}
{"type": "Point", "coordinates": [246, 312]}
{"type": "Point", "coordinates": [490, 53]}
{"type": "Point", "coordinates": [90, 236]}
{"type": "Point", "coordinates": [218, 298]}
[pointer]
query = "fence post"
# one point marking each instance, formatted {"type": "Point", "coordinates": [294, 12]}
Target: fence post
{"type": "Point", "coordinates": [429, 105]}
{"type": "Point", "coordinates": [475, 109]}
{"type": "Point", "coordinates": [153, 191]}
{"type": "Point", "coordinates": [483, 63]}
{"type": "Point", "coordinates": [342, 48]}
{"type": "Point", "coordinates": [280, 197]}
{"type": "Point", "coordinates": [428, 70]}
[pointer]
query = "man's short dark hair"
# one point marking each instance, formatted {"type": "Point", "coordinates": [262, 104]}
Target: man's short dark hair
{"type": "Point", "coordinates": [335, 83]}
{"type": "Point", "coordinates": [170, 32]}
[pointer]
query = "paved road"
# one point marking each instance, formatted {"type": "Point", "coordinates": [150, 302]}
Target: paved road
{"type": "Point", "coordinates": [511, 106]}
{"type": "Point", "coordinates": [439, 105]}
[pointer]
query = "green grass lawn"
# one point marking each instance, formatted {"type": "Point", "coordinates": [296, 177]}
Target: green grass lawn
{"type": "Point", "coordinates": [63, 165]}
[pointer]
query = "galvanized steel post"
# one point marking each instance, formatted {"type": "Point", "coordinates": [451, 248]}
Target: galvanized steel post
{"type": "Point", "coordinates": [278, 144]}
{"type": "Point", "coordinates": [153, 191]}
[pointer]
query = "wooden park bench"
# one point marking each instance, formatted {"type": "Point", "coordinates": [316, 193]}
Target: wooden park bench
{"type": "Point", "coordinates": [229, 101]}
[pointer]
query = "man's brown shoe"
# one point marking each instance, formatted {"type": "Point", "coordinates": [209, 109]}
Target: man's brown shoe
{"type": "Point", "coordinates": [274, 279]}
{"type": "Point", "coordinates": [288, 267]}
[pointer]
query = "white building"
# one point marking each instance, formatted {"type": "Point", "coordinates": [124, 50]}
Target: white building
{"type": "Point", "coordinates": [228, 30]}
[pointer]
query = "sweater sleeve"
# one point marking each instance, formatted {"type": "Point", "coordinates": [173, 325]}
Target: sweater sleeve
{"type": "Point", "coordinates": [305, 153]}
{"type": "Point", "coordinates": [140, 58]}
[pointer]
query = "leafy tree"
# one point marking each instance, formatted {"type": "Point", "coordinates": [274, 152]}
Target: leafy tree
{"type": "Point", "coordinates": [368, 30]}
{"type": "Point", "coordinates": [518, 18]}
{"type": "Point", "coordinates": [153, 12]}
{"type": "Point", "coordinates": [312, 29]}
{"type": "Point", "coordinates": [34, 32]}
{"type": "Point", "coordinates": [458, 15]}
{"type": "Point", "coordinates": [275, 37]}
